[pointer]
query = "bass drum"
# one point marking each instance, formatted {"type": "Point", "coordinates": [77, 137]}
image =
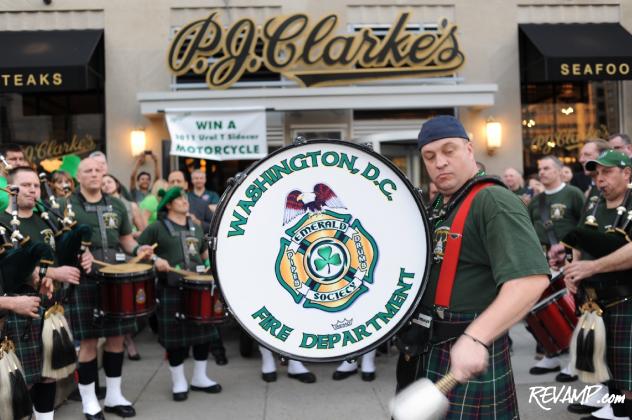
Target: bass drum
{"type": "Point", "coordinates": [321, 250]}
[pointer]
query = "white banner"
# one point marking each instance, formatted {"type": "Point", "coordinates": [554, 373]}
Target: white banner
{"type": "Point", "coordinates": [218, 134]}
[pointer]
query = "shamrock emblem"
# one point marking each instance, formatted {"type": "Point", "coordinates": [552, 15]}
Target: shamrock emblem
{"type": "Point", "coordinates": [327, 259]}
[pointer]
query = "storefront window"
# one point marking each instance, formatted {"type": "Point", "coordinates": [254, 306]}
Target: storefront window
{"type": "Point", "coordinates": [557, 118]}
{"type": "Point", "coordinates": [50, 125]}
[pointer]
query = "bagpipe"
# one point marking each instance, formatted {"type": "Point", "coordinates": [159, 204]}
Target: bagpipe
{"type": "Point", "coordinates": [600, 292]}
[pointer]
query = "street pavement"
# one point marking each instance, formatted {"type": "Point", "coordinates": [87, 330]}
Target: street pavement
{"type": "Point", "coordinates": [245, 396]}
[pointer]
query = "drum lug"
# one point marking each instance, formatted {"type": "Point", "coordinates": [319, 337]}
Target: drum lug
{"type": "Point", "coordinates": [298, 140]}
{"type": "Point", "coordinates": [367, 145]}
{"type": "Point", "coordinates": [212, 243]}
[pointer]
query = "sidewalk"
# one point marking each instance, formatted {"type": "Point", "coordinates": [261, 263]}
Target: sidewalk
{"type": "Point", "coordinates": [245, 396]}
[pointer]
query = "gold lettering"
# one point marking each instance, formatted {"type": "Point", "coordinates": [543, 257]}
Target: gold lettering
{"type": "Point", "coordinates": [31, 80]}
{"type": "Point", "coordinates": [57, 79]}
{"type": "Point", "coordinates": [5, 79]}
{"type": "Point", "coordinates": [312, 54]}
{"type": "Point", "coordinates": [577, 69]}
{"type": "Point", "coordinates": [588, 69]}
{"type": "Point", "coordinates": [624, 68]}
{"type": "Point", "coordinates": [564, 69]}
{"type": "Point", "coordinates": [611, 69]}
{"type": "Point", "coordinates": [599, 68]}
{"type": "Point", "coordinates": [44, 79]}
{"type": "Point", "coordinates": [48, 149]}
{"type": "Point", "coordinates": [17, 80]}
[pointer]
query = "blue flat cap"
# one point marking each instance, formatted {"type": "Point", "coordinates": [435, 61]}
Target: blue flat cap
{"type": "Point", "coordinates": [440, 127]}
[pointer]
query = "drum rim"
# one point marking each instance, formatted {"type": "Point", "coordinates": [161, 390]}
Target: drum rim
{"type": "Point", "coordinates": [237, 181]}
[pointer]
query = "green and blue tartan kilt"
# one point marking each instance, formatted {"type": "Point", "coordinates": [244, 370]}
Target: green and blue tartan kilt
{"type": "Point", "coordinates": [80, 314]}
{"type": "Point", "coordinates": [618, 321]}
{"type": "Point", "coordinates": [28, 347]}
{"type": "Point", "coordinates": [172, 332]}
{"type": "Point", "coordinates": [490, 395]}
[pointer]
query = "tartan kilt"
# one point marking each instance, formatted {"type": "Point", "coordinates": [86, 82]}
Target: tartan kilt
{"type": "Point", "coordinates": [80, 314]}
{"type": "Point", "coordinates": [490, 395]}
{"type": "Point", "coordinates": [618, 321]}
{"type": "Point", "coordinates": [174, 333]}
{"type": "Point", "coordinates": [28, 349]}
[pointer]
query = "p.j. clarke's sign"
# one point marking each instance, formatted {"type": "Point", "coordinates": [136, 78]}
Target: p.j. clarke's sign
{"type": "Point", "coordinates": [313, 54]}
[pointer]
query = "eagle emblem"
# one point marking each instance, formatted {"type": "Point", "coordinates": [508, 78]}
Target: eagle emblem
{"type": "Point", "coordinates": [299, 203]}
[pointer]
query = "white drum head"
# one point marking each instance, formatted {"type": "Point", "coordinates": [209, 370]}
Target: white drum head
{"type": "Point", "coordinates": [321, 250]}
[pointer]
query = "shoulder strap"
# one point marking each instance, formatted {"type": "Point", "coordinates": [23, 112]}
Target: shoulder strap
{"type": "Point", "coordinates": [447, 274]}
{"type": "Point", "coordinates": [545, 217]}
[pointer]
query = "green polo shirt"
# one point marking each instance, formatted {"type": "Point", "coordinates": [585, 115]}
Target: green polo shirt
{"type": "Point", "coordinates": [565, 208]}
{"type": "Point", "coordinates": [170, 247]}
{"type": "Point", "coordinates": [116, 220]}
{"type": "Point", "coordinates": [4, 196]}
{"type": "Point", "coordinates": [499, 244]}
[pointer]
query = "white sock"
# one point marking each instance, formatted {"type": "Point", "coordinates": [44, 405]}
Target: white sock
{"type": "Point", "coordinates": [178, 380]}
{"type": "Point", "coordinates": [113, 395]}
{"type": "Point", "coordinates": [368, 362]}
{"type": "Point", "coordinates": [548, 362]}
{"type": "Point", "coordinates": [567, 370]}
{"type": "Point", "coordinates": [295, 367]}
{"type": "Point", "coordinates": [595, 399]}
{"type": "Point", "coordinates": [268, 365]}
{"type": "Point", "coordinates": [43, 416]}
{"type": "Point", "coordinates": [89, 399]}
{"type": "Point", "coordinates": [604, 412]}
{"type": "Point", "coordinates": [199, 375]}
{"type": "Point", "coordinates": [347, 366]}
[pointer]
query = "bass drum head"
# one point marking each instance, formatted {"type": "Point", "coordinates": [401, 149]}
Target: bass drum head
{"type": "Point", "coordinates": [321, 250]}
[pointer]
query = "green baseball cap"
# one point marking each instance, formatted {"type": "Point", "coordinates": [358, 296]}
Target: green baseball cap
{"type": "Point", "coordinates": [610, 159]}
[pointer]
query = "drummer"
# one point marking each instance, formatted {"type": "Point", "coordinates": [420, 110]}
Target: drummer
{"type": "Point", "coordinates": [31, 225]}
{"type": "Point", "coordinates": [181, 245]}
{"type": "Point", "coordinates": [501, 274]}
{"type": "Point", "coordinates": [111, 235]}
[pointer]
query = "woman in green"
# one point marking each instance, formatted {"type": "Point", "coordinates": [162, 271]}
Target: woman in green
{"type": "Point", "coordinates": [180, 244]}
{"type": "Point", "coordinates": [149, 205]}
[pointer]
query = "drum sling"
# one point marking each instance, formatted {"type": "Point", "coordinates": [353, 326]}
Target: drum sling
{"type": "Point", "coordinates": [545, 217]}
{"type": "Point", "coordinates": [425, 329]}
{"type": "Point", "coordinates": [183, 235]}
{"type": "Point", "coordinates": [108, 253]}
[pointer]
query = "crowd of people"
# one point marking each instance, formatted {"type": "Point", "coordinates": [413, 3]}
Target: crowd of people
{"type": "Point", "coordinates": [512, 234]}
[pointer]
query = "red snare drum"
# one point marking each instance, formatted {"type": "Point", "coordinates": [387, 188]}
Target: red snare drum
{"type": "Point", "coordinates": [201, 300]}
{"type": "Point", "coordinates": [556, 284]}
{"type": "Point", "coordinates": [127, 290]}
{"type": "Point", "coordinates": [552, 322]}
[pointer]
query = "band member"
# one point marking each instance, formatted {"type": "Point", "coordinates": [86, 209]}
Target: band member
{"type": "Point", "coordinates": [111, 231]}
{"type": "Point", "coordinates": [13, 158]}
{"type": "Point", "coordinates": [613, 171]}
{"type": "Point", "coordinates": [181, 244]}
{"type": "Point", "coordinates": [501, 274]}
{"type": "Point", "coordinates": [31, 225]}
{"type": "Point", "coordinates": [367, 366]}
{"type": "Point", "coordinates": [622, 143]}
{"type": "Point", "coordinates": [554, 213]}
{"type": "Point", "coordinates": [295, 369]}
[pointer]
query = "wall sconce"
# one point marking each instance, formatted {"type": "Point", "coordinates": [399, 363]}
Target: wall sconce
{"type": "Point", "coordinates": [493, 129]}
{"type": "Point", "coordinates": [138, 141]}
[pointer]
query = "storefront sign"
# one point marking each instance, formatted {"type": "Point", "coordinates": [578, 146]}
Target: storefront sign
{"type": "Point", "coordinates": [51, 148]}
{"type": "Point", "coordinates": [225, 134]}
{"type": "Point", "coordinates": [312, 54]}
{"type": "Point", "coordinates": [568, 140]}
{"type": "Point", "coordinates": [594, 70]}
{"type": "Point", "coordinates": [17, 81]}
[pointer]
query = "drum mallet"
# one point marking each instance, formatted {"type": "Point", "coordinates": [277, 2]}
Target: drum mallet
{"type": "Point", "coordinates": [423, 399]}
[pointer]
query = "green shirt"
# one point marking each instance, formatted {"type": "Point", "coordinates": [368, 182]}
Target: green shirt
{"type": "Point", "coordinates": [33, 227]}
{"type": "Point", "coordinates": [4, 196]}
{"type": "Point", "coordinates": [565, 208]}
{"type": "Point", "coordinates": [115, 219]}
{"type": "Point", "coordinates": [170, 247]}
{"type": "Point", "coordinates": [498, 245]}
{"type": "Point", "coordinates": [521, 191]}
{"type": "Point", "coordinates": [150, 203]}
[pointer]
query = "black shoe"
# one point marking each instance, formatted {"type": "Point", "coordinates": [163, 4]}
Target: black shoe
{"type": "Point", "coordinates": [306, 378]}
{"type": "Point", "coordinates": [98, 416]}
{"type": "Point", "coordinates": [581, 408]}
{"type": "Point", "coordinates": [368, 376]}
{"type": "Point", "coordinates": [339, 375]}
{"type": "Point", "coordinates": [563, 377]}
{"type": "Point", "coordinates": [221, 359]}
{"type": "Point", "coordinates": [180, 396]}
{"type": "Point", "coordinates": [269, 377]}
{"type": "Point", "coordinates": [135, 357]}
{"type": "Point", "coordinates": [541, 371]}
{"type": "Point", "coordinates": [591, 417]}
{"type": "Point", "coordinates": [213, 389]}
{"type": "Point", "coordinates": [121, 410]}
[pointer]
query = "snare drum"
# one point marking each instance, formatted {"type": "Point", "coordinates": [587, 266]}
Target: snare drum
{"type": "Point", "coordinates": [126, 290]}
{"type": "Point", "coordinates": [201, 300]}
{"type": "Point", "coordinates": [552, 322]}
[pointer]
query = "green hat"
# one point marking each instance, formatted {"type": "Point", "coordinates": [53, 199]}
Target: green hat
{"type": "Point", "coordinates": [70, 164]}
{"type": "Point", "coordinates": [168, 196]}
{"type": "Point", "coordinates": [610, 159]}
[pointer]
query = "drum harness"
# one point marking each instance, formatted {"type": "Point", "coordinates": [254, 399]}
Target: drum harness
{"type": "Point", "coordinates": [424, 329]}
{"type": "Point", "coordinates": [545, 218]}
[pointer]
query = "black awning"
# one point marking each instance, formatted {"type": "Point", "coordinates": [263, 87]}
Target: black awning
{"type": "Point", "coordinates": [574, 51]}
{"type": "Point", "coordinates": [44, 61]}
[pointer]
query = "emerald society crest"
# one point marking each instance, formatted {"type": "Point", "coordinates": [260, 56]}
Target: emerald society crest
{"type": "Point", "coordinates": [326, 258]}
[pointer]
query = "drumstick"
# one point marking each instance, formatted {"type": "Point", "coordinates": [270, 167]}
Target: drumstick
{"type": "Point", "coordinates": [141, 256]}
